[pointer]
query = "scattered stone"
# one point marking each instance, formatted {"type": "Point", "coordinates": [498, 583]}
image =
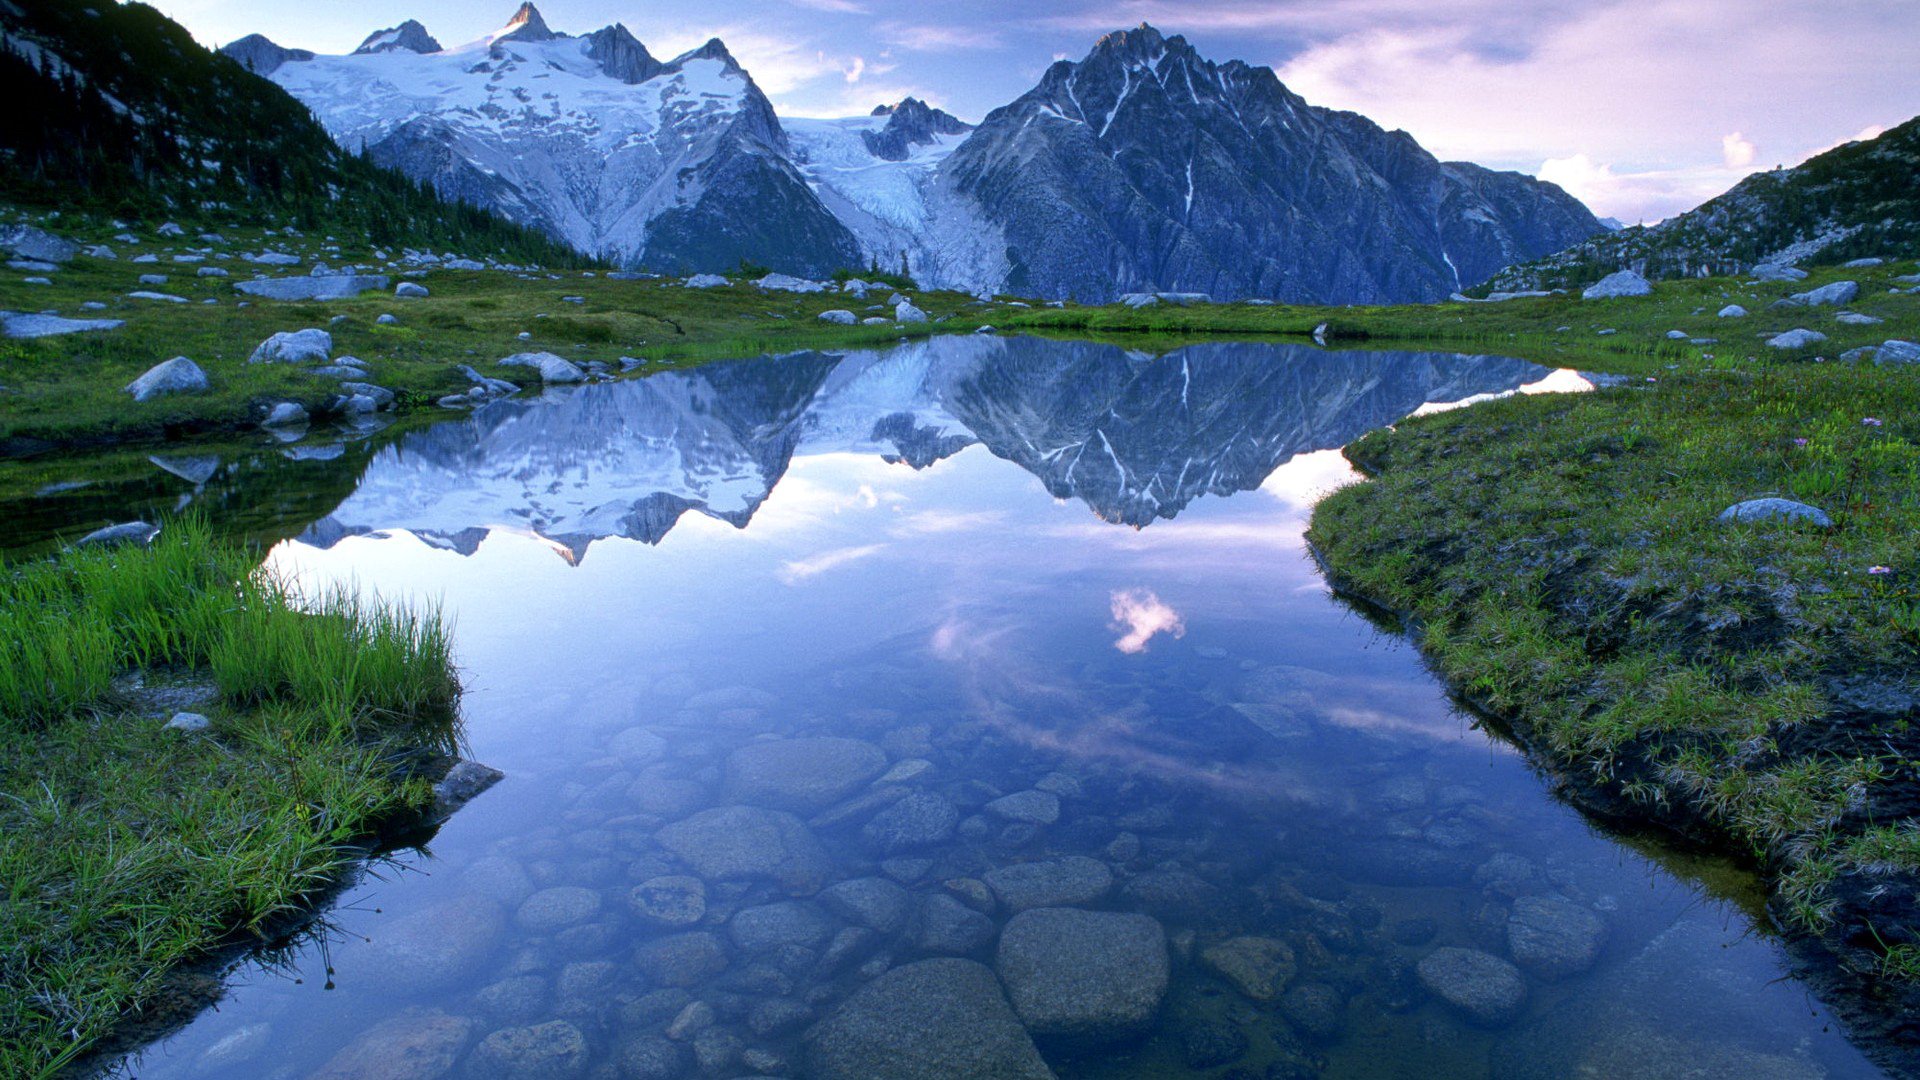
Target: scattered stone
{"type": "Point", "coordinates": [295, 347]}
{"type": "Point", "coordinates": [1834, 294]}
{"type": "Point", "coordinates": [210, 272]}
{"type": "Point", "coordinates": [801, 774]}
{"type": "Point", "coordinates": [681, 959]}
{"type": "Point", "coordinates": [387, 319]}
{"type": "Point", "coordinates": [768, 927]}
{"type": "Point", "coordinates": [1796, 339]}
{"type": "Point", "coordinates": [905, 771]}
{"type": "Point", "coordinates": [706, 281]}
{"type": "Point", "coordinates": [1772, 509]}
{"type": "Point", "coordinates": [176, 376]}
{"type": "Point", "coordinates": [285, 414]}
{"type": "Point", "coordinates": [557, 908]}
{"type": "Point", "coordinates": [16, 325]}
{"type": "Point", "coordinates": [131, 532]}
{"type": "Point", "coordinates": [1258, 967]}
{"type": "Point", "coordinates": [905, 312]}
{"type": "Point", "coordinates": [1896, 351]}
{"type": "Point", "coordinates": [462, 784]}
{"type": "Point", "coordinates": [789, 283]}
{"type": "Point", "coordinates": [1083, 975]}
{"type": "Point", "coordinates": [317, 287]}
{"type": "Point", "coordinates": [1485, 989]}
{"type": "Point", "coordinates": [652, 1058]}
{"type": "Point", "coordinates": [410, 290]}
{"type": "Point", "coordinates": [444, 945]}
{"type": "Point", "coordinates": [872, 902]}
{"type": "Point", "coordinates": [188, 722]}
{"type": "Point", "coordinates": [552, 369]}
{"type": "Point", "coordinates": [1171, 894]}
{"type": "Point", "coordinates": [1733, 311]}
{"type": "Point", "coordinates": [698, 1016]}
{"type": "Point", "coordinates": [670, 900]}
{"type": "Point", "coordinates": [1554, 938]}
{"type": "Point", "coordinates": [1778, 272]}
{"type": "Point", "coordinates": [411, 1046]}
{"type": "Point", "coordinates": [1622, 283]}
{"type": "Point", "coordinates": [1033, 807]}
{"type": "Point", "coordinates": [37, 245]}
{"type": "Point", "coordinates": [922, 819]}
{"type": "Point", "coordinates": [839, 316]}
{"type": "Point", "coordinates": [950, 927]}
{"type": "Point", "coordinates": [160, 297]}
{"type": "Point", "coordinates": [746, 842]}
{"type": "Point", "coordinates": [555, 1050]}
{"type": "Point", "coordinates": [1854, 318]}
{"type": "Point", "coordinates": [931, 1020]}
{"type": "Point", "coordinates": [1075, 879]}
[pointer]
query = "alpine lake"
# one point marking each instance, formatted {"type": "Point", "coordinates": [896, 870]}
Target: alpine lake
{"type": "Point", "coordinates": [971, 708]}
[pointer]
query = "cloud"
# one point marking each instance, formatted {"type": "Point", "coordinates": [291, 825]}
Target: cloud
{"type": "Point", "coordinates": [837, 7]}
{"type": "Point", "coordinates": [930, 38]}
{"type": "Point", "coordinates": [798, 570]}
{"type": "Point", "coordinates": [1738, 151]}
{"type": "Point", "coordinates": [1142, 614]}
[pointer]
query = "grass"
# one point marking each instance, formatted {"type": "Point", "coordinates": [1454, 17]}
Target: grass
{"type": "Point", "coordinates": [65, 392]}
{"type": "Point", "coordinates": [1753, 684]}
{"type": "Point", "coordinates": [129, 851]}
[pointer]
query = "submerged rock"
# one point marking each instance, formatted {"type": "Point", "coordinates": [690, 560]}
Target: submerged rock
{"type": "Point", "coordinates": [745, 842]}
{"type": "Point", "coordinates": [932, 1020]}
{"type": "Point", "coordinates": [555, 1050]}
{"type": "Point", "coordinates": [1075, 879]}
{"type": "Point", "coordinates": [922, 819]}
{"type": "Point", "coordinates": [411, 1046]}
{"type": "Point", "coordinates": [1258, 967]}
{"type": "Point", "coordinates": [670, 900]}
{"type": "Point", "coordinates": [1083, 975]}
{"type": "Point", "coordinates": [952, 928]}
{"type": "Point", "coordinates": [801, 774]}
{"type": "Point", "coordinates": [1484, 988]}
{"type": "Point", "coordinates": [1554, 938]}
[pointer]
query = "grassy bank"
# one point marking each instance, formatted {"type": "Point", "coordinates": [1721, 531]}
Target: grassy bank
{"type": "Point", "coordinates": [66, 391]}
{"type": "Point", "coordinates": [1756, 685]}
{"type": "Point", "coordinates": [129, 850]}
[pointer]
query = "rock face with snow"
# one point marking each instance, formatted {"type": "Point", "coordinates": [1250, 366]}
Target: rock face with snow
{"type": "Point", "coordinates": [680, 165]}
{"type": "Point", "coordinates": [1147, 168]}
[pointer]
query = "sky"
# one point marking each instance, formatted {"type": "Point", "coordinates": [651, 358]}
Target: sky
{"type": "Point", "coordinates": [1642, 108]}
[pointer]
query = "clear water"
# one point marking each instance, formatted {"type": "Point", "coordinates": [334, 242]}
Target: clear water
{"type": "Point", "coordinates": [1001, 566]}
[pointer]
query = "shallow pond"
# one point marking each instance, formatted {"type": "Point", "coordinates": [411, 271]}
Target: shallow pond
{"type": "Point", "coordinates": [812, 674]}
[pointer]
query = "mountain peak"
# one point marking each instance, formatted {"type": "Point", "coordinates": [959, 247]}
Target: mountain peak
{"type": "Point", "coordinates": [526, 25]}
{"type": "Point", "coordinates": [409, 35]}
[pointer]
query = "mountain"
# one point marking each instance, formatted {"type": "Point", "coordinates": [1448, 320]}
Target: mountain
{"type": "Point", "coordinates": [1136, 438]}
{"type": "Point", "coordinates": [120, 112]}
{"type": "Point", "coordinates": [1861, 199]}
{"type": "Point", "coordinates": [679, 165]}
{"type": "Point", "coordinates": [1146, 167]}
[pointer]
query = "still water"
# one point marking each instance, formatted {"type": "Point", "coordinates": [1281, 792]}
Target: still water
{"type": "Point", "coordinates": [970, 708]}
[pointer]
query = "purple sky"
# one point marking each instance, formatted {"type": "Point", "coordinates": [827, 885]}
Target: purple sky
{"type": "Point", "coordinates": [1641, 107]}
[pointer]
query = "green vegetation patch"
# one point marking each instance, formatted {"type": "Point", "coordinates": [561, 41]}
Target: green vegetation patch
{"type": "Point", "coordinates": [1756, 682]}
{"type": "Point", "coordinates": [128, 849]}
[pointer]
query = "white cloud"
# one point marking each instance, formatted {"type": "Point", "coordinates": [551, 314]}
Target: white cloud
{"type": "Point", "coordinates": [1142, 614]}
{"type": "Point", "coordinates": [1737, 150]}
{"type": "Point", "coordinates": [796, 571]}
{"type": "Point", "coordinates": [930, 38]}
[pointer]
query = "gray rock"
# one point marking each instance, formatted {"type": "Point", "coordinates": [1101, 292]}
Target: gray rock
{"type": "Point", "coordinates": [285, 414]}
{"type": "Point", "coordinates": [1033, 807]}
{"type": "Point", "coordinates": [555, 1050]}
{"type": "Point", "coordinates": [922, 819]}
{"type": "Point", "coordinates": [410, 290]}
{"type": "Point", "coordinates": [1205, 1044]}
{"type": "Point", "coordinates": [670, 900]}
{"type": "Point", "coordinates": [872, 902]}
{"type": "Point", "coordinates": [188, 722]}
{"type": "Point", "coordinates": [951, 927]}
{"type": "Point", "coordinates": [193, 468]}
{"type": "Point", "coordinates": [131, 532]}
{"type": "Point", "coordinates": [763, 929]}
{"type": "Point", "coordinates": [1862, 264]}
{"type": "Point", "coordinates": [1796, 339]}
{"type": "Point", "coordinates": [1485, 989]}
{"type": "Point", "coordinates": [380, 395]}
{"type": "Point", "coordinates": [932, 1020]}
{"type": "Point", "coordinates": [28, 242]}
{"type": "Point", "coordinates": [1833, 294]}
{"type": "Point", "coordinates": [1896, 351]}
{"type": "Point", "coordinates": [176, 376]}
{"type": "Point", "coordinates": [1318, 1010]}
{"type": "Point", "coordinates": [1772, 509]}
{"type": "Point", "coordinates": [652, 1058]}
{"type": "Point", "coordinates": [681, 959]}
{"type": "Point", "coordinates": [1621, 283]}
{"type": "Point", "coordinates": [461, 785]}
{"type": "Point", "coordinates": [1258, 967]}
{"type": "Point", "coordinates": [411, 1046]}
{"type": "Point", "coordinates": [1170, 893]}
{"type": "Point", "coordinates": [294, 347]}
{"type": "Point", "coordinates": [317, 287]}
{"type": "Point", "coordinates": [1733, 311]}
{"type": "Point", "coordinates": [706, 281]}
{"type": "Point", "coordinates": [16, 325]}
{"type": "Point", "coordinates": [733, 843]}
{"type": "Point", "coordinates": [1854, 318]}
{"type": "Point", "coordinates": [1083, 975]}
{"type": "Point", "coordinates": [160, 297]}
{"type": "Point", "coordinates": [905, 312]}
{"type": "Point", "coordinates": [839, 316]}
{"type": "Point", "coordinates": [1554, 938]}
{"type": "Point", "coordinates": [552, 369]}
{"type": "Point", "coordinates": [445, 945]}
{"type": "Point", "coordinates": [388, 319]}
{"type": "Point", "coordinates": [778, 1016]}
{"type": "Point", "coordinates": [1075, 879]}
{"type": "Point", "coordinates": [557, 908]}
{"type": "Point", "coordinates": [1778, 272]}
{"type": "Point", "coordinates": [789, 283]}
{"type": "Point", "coordinates": [802, 775]}
{"type": "Point", "coordinates": [210, 272]}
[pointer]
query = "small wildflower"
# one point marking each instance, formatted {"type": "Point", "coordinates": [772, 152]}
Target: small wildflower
{"type": "Point", "coordinates": [1878, 570]}
{"type": "Point", "coordinates": [1871, 421]}
{"type": "Point", "coordinates": [1799, 442]}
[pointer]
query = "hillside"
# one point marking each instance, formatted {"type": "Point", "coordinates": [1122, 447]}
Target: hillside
{"type": "Point", "coordinates": [1860, 200]}
{"type": "Point", "coordinates": [130, 117]}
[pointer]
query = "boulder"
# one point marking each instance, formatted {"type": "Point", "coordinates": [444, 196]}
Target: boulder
{"type": "Point", "coordinates": [1554, 938]}
{"type": "Point", "coordinates": [285, 414]}
{"type": "Point", "coordinates": [210, 272]}
{"type": "Point", "coordinates": [1258, 967]}
{"type": "Point", "coordinates": [557, 908]}
{"type": "Point", "coordinates": [1733, 311]}
{"type": "Point", "coordinates": [188, 722]}
{"type": "Point", "coordinates": [681, 959]}
{"type": "Point", "coordinates": [762, 929]}
{"type": "Point", "coordinates": [1854, 318]}
{"type": "Point", "coordinates": [789, 283]}
{"type": "Point", "coordinates": [440, 946]}
{"type": "Point", "coordinates": [802, 775]}
{"type": "Point", "coordinates": [1032, 807]}
{"type": "Point", "coordinates": [552, 369]}
{"type": "Point", "coordinates": [273, 258]}
{"type": "Point", "coordinates": [1083, 975]}
{"type": "Point", "coordinates": [157, 297]}
{"type": "Point", "coordinates": [839, 317]}
{"type": "Point", "coordinates": [1896, 351]}
{"type": "Point", "coordinates": [411, 1046]}
{"type": "Point", "coordinates": [555, 1050]}
{"type": "Point", "coordinates": [1778, 272]}
{"type": "Point", "coordinates": [950, 927]}
{"type": "Point", "coordinates": [315, 287]}
{"type": "Point", "coordinates": [922, 819]}
{"type": "Point", "coordinates": [931, 1020]}
{"type": "Point", "coordinates": [706, 281]}
{"type": "Point", "coordinates": [1622, 283]}
{"type": "Point", "coordinates": [38, 245]}
{"type": "Point", "coordinates": [130, 532]}
{"type": "Point", "coordinates": [176, 376]}
{"type": "Point", "coordinates": [1075, 879]}
{"type": "Point", "coordinates": [1485, 989]}
{"type": "Point", "coordinates": [1774, 509]}
{"type": "Point", "coordinates": [295, 347]}
{"type": "Point", "coordinates": [670, 900]}
{"type": "Point", "coordinates": [737, 843]}
{"type": "Point", "coordinates": [410, 290]}
{"type": "Point", "coordinates": [1796, 339]}
{"type": "Point", "coordinates": [905, 312]}
{"type": "Point", "coordinates": [1833, 294]}
{"type": "Point", "coordinates": [872, 902]}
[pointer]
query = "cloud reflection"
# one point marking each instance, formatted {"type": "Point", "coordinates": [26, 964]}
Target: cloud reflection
{"type": "Point", "coordinates": [1142, 614]}
{"type": "Point", "coordinates": [799, 570]}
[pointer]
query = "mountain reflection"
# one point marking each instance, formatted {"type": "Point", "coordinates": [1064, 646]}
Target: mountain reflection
{"type": "Point", "coordinates": [1135, 437]}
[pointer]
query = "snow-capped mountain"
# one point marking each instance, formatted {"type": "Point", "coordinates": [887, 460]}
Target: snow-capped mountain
{"type": "Point", "coordinates": [1144, 167]}
{"type": "Point", "coordinates": [679, 165]}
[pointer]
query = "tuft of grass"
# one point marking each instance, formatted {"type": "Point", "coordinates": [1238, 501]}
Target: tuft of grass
{"type": "Point", "coordinates": [128, 850]}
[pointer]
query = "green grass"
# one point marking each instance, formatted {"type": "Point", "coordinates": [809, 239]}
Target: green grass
{"type": "Point", "coordinates": [66, 392]}
{"type": "Point", "coordinates": [128, 850]}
